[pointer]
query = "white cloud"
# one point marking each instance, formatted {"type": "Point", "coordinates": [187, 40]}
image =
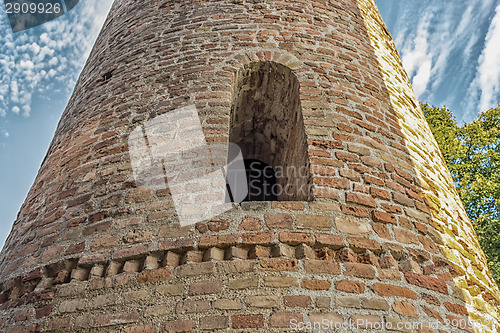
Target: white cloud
{"type": "Point", "coordinates": [30, 62]}
{"type": "Point", "coordinates": [53, 61]}
{"type": "Point", "coordinates": [26, 110]}
{"type": "Point", "coordinates": [489, 66]}
{"type": "Point", "coordinates": [417, 59]}
{"type": "Point", "coordinates": [428, 39]}
{"type": "Point", "coordinates": [422, 78]}
{"type": "Point", "coordinates": [27, 64]}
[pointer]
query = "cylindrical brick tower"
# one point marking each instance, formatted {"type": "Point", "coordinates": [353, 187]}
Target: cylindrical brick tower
{"type": "Point", "coordinates": [381, 241]}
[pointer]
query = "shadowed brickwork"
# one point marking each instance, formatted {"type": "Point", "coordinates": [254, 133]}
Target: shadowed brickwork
{"type": "Point", "coordinates": [384, 238]}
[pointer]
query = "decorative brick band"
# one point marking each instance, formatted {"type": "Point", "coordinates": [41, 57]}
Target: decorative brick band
{"type": "Point", "coordinates": [322, 253]}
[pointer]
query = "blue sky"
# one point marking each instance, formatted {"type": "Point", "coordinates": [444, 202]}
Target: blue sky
{"type": "Point", "coordinates": [450, 49]}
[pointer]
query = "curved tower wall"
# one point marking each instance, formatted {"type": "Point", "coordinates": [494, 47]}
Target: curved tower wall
{"type": "Point", "coordinates": [383, 239]}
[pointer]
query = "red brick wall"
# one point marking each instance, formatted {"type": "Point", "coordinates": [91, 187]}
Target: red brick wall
{"type": "Point", "coordinates": [90, 251]}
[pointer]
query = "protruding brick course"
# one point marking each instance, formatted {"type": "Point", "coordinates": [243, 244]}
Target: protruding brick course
{"type": "Point", "coordinates": [381, 237]}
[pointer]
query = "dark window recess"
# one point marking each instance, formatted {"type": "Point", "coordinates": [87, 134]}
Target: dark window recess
{"type": "Point", "coordinates": [261, 181]}
{"type": "Point", "coordinates": [107, 76]}
{"type": "Point", "coordinates": [267, 126]}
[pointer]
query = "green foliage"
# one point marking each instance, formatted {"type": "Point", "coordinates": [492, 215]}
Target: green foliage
{"type": "Point", "coordinates": [472, 153]}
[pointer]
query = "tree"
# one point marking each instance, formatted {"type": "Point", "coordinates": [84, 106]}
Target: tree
{"type": "Point", "coordinates": [472, 153]}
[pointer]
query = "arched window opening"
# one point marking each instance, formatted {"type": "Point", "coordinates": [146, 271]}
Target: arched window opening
{"type": "Point", "coordinates": [267, 125]}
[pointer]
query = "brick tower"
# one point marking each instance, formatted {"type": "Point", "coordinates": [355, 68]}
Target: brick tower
{"type": "Point", "coordinates": [381, 241]}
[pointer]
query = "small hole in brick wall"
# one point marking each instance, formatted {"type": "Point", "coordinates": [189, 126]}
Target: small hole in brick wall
{"type": "Point", "coordinates": [267, 125]}
{"type": "Point", "coordinates": [107, 76]}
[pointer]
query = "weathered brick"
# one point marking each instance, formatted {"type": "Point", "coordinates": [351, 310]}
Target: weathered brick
{"type": "Point", "coordinates": [138, 236]}
{"type": "Point", "coordinates": [171, 259]}
{"type": "Point", "coordinates": [139, 195]}
{"type": "Point", "coordinates": [195, 269]}
{"type": "Point", "coordinates": [178, 244]}
{"type": "Point", "coordinates": [218, 241]}
{"type": "Point", "coordinates": [173, 230]}
{"type": "Point", "coordinates": [213, 253]}
{"type": "Point", "coordinates": [381, 230]}
{"type": "Point", "coordinates": [288, 205]}
{"type": "Point", "coordinates": [283, 251]}
{"type": "Point", "coordinates": [259, 251]}
{"type": "Point", "coordinates": [333, 241]}
{"type": "Point", "coordinates": [375, 304]}
{"type": "Point", "coordinates": [205, 287]}
{"type": "Point", "coordinates": [262, 238]}
{"type": "Point", "coordinates": [140, 329]}
{"type": "Point", "coordinates": [227, 304]}
{"type": "Point", "coordinates": [282, 319]}
{"type": "Point", "coordinates": [279, 264]}
{"type": "Point", "coordinates": [314, 222]}
{"type": "Point", "coordinates": [71, 306]}
{"type": "Point", "coordinates": [379, 193]}
{"type": "Point", "coordinates": [410, 266]}
{"type": "Point", "coordinates": [405, 236]}
{"type": "Point", "coordinates": [177, 326]}
{"type": "Point", "coordinates": [263, 301]}
{"type": "Point", "coordinates": [295, 238]}
{"type": "Point", "coordinates": [426, 282]}
{"type": "Point", "coordinates": [214, 323]}
{"type": "Point", "coordinates": [389, 274]}
{"type": "Point", "coordinates": [58, 324]}
{"type": "Point", "coordinates": [315, 284]}
{"type": "Point", "coordinates": [131, 266]}
{"type": "Point", "coordinates": [347, 302]}
{"type": "Point", "coordinates": [362, 244]}
{"type": "Point", "coordinates": [23, 315]}
{"type": "Point", "coordinates": [243, 283]}
{"type": "Point", "coordinates": [383, 217]}
{"type": "Point", "coordinates": [432, 313]}
{"type": "Point", "coordinates": [360, 270]}
{"type": "Point", "coordinates": [44, 311]}
{"type": "Point", "coordinates": [347, 157]}
{"type": "Point", "coordinates": [352, 227]}
{"type": "Point", "coordinates": [192, 306]}
{"type": "Point", "coordinates": [249, 224]}
{"type": "Point", "coordinates": [355, 211]}
{"type": "Point", "coordinates": [390, 290]}
{"type": "Point", "coordinates": [350, 286]}
{"type": "Point", "coordinates": [360, 199]}
{"type": "Point", "coordinates": [116, 319]}
{"type": "Point", "coordinates": [336, 183]}
{"type": "Point", "coordinates": [278, 221]}
{"type": "Point", "coordinates": [131, 252]}
{"type": "Point", "coordinates": [247, 321]}
{"type": "Point", "coordinates": [304, 251]}
{"type": "Point", "coordinates": [345, 255]}
{"type": "Point", "coordinates": [456, 308]}
{"type": "Point", "coordinates": [321, 266]}
{"type": "Point", "coordinates": [403, 199]}
{"type": "Point", "coordinates": [280, 281]}
{"type": "Point", "coordinates": [405, 308]}
{"type": "Point", "coordinates": [170, 289]}
{"type": "Point", "coordinates": [297, 301]}
{"type": "Point", "coordinates": [237, 266]}
{"type": "Point", "coordinates": [191, 257]}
